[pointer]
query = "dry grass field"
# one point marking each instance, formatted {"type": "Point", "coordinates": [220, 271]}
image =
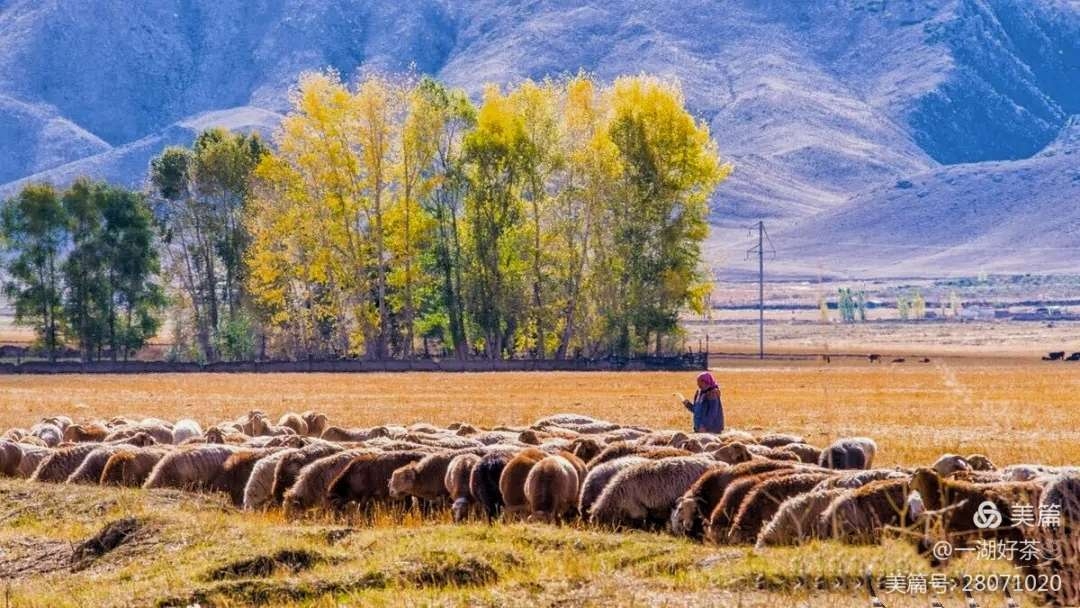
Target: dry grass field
{"type": "Point", "coordinates": [196, 550]}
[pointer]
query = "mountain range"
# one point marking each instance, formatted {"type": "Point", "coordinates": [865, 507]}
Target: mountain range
{"type": "Point", "coordinates": [874, 137]}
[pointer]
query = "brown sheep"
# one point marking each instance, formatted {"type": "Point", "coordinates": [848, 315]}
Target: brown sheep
{"type": "Point", "coordinates": [733, 453]}
{"type": "Point", "coordinates": [61, 463]}
{"type": "Point", "coordinates": [14, 434]}
{"type": "Point", "coordinates": [598, 477]}
{"type": "Point", "coordinates": [947, 464]}
{"type": "Point", "coordinates": [289, 467]}
{"type": "Point", "coordinates": [980, 462]}
{"type": "Point", "coordinates": [512, 482]}
{"type": "Point", "coordinates": [551, 490]}
{"type": "Point", "coordinates": [89, 472]}
{"type": "Point", "coordinates": [236, 471]}
{"type": "Point", "coordinates": [804, 452]}
{"type": "Point", "coordinates": [160, 433]}
{"type": "Point", "coordinates": [857, 479]}
{"type": "Point", "coordinates": [190, 468]}
{"type": "Point", "coordinates": [463, 429]}
{"type": "Point", "coordinates": [644, 494]}
{"type": "Point", "coordinates": [338, 434]}
{"type": "Point", "coordinates": [796, 520]}
{"type": "Point", "coordinates": [484, 481]}
{"type": "Point", "coordinates": [693, 508]}
{"type": "Point", "coordinates": [586, 448]}
{"type": "Point", "coordinates": [316, 422]}
{"type": "Point", "coordinates": [954, 504]}
{"type": "Point", "coordinates": [130, 467]}
{"type": "Point", "coordinates": [718, 523]}
{"type": "Point", "coordinates": [10, 457]}
{"type": "Point", "coordinates": [424, 479]}
{"type": "Point", "coordinates": [366, 480]}
{"type": "Point", "coordinates": [259, 490]}
{"type": "Point", "coordinates": [764, 501]}
{"type": "Point", "coordinates": [82, 433]}
{"type": "Point", "coordinates": [456, 483]}
{"type": "Point", "coordinates": [309, 491]}
{"type": "Point", "coordinates": [294, 422]}
{"type": "Point", "coordinates": [61, 422]}
{"type": "Point", "coordinates": [761, 451]}
{"type": "Point", "coordinates": [776, 440]}
{"type": "Point", "coordinates": [860, 516]}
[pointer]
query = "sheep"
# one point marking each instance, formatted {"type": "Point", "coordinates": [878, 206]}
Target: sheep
{"type": "Point", "coordinates": [456, 483]}
{"type": "Point", "coordinates": [366, 479]}
{"type": "Point", "coordinates": [644, 494]}
{"type": "Point", "coordinates": [496, 437]}
{"type": "Point", "coordinates": [89, 472]}
{"type": "Point", "coordinates": [484, 482]}
{"type": "Point", "coordinates": [258, 492]}
{"type": "Point", "coordinates": [618, 450]}
{"type": "Point", "coordinates": [859, 516]}
{"type": "Point", "coordinates": [1064, 493]}
{"type": "Point", "coordinates": [586, 448]}
{"type": "Point", "coordinates": [185, 429]}
{"type": "Point", "coordinates": [730, 435]}
{"type": "Point", "coordinates": [10, 457]}
{"type": "Point", "coordinates": [776, 440]}
{"type": "Point", "coordinates": [160, 433]}
{"type": "Point", "coordinates": [190, 468]}
{"type": "Point", "coordinates": [551, 490]}
{"type": "Point", "coordinates": [980, 462]}
{"type": "Point", "coordinates": [236, 471]}
{"type": "Point", "coordinates": [564, 420]}
{"type": "Point", "coordinates": [733, 453]}
{"type": "Point", "coordinates": [512, 482]}
{"type": "Point", "coordinates": [32, 456]}
{"type": "Point", "coordinates": [82, 433]}
{"type": "Point", "coordinates": [947, 464]}
{"type": "Point", "coordinates": [764, 501]}
{"type": "Point", "coordinates": [796, 519]}
{"type": "Point", "coordinates": [849, 453]}
{"type": "Point", "coordinates": [48, 432]}
{"type": "Point", "coordinates": [858, 479]}
{"type": "Point", "coordinates": [294, 422]}
{"type": "Point", "coordinates": [61, 463]}
{"type": "Point", "coordinates": [131, 466]}
{"type": "Point", "coordinates": [761, 451]}
{"type": "Point", "coordinates": [804, 452]}
{"type": "Point", "coordinates": [598, 477]}
{"type": "Point", "coordinates": [424, 479]}
{"type": "Point", "coordinates": [691, 510]}
{"type": "Point", "coordinates": [289, 466]}
{"type": "Point", "coordinates": [316, 422]}
{"type": "Point", "coordinates": [60, 422]}
{"type": "Point", "coordinates": [14, 434]}
{"type": "Point", "coordinates": [309, 490]}
{"type": "Point", "coordinates": [336, 433]}
{"type": "Point", "coordinates": [716, 526]}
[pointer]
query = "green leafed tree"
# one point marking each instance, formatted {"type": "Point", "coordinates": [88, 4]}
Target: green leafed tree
{"type": "Point", "coordinates": [35, 234]}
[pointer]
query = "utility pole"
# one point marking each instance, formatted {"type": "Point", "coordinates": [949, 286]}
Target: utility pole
{"type": "Point", "coordinates": [762, 236]}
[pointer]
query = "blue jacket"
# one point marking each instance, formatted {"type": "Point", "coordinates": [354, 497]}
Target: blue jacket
{"type": "Point", "coordinates": [708, 411]}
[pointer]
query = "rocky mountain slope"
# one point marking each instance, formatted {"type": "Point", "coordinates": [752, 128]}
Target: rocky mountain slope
{"type": "Point", "coordinates": [824, 107]}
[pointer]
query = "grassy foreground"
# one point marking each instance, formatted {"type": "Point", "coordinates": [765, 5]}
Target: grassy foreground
{"type": "Point", "coordinates": [187, 549]}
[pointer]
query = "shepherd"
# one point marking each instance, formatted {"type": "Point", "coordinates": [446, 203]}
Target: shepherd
{"type": "Point", "coordinates": [706, 407]}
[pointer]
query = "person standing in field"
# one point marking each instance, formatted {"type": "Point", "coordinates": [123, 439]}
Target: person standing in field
{"type": "Point", "coordinates": [706, 407]}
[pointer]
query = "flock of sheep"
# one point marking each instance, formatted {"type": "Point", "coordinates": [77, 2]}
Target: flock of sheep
{"type": "Point", "coordinates": [736, 487]}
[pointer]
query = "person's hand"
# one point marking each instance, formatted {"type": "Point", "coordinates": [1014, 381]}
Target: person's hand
{"type": "Point", "coordinates": [688, 403]}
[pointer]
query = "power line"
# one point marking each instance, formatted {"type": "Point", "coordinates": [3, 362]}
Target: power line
{"type": "Point", "coordinates": [763, 237]}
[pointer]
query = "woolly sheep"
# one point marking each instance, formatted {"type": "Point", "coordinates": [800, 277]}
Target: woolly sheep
{"type": "Point", "coordinates": [643, 494]}
{"type": "Point", "coordinates": [551, 490]}
{"type": "Point", "coordinates": [692, 509]}
{"type": "Point", "coordinates": [796, 520]}
{"type": "Point", "coordinates": [849, 453]}
{"type": "Point", "coordinates": [456, 483]}
{"type": "Point", "coordinates": [366, 480]}
{"type": "Point", "coordinates": [764, 501]}
{"type": "Point", "coordinates": [309, 491]}
{"type": "Point", "coordinates": [598, 477]}
{"type": "Point", "coordinates": [512, 482]}
{"type": "Point", "coordinates": [185, 429]}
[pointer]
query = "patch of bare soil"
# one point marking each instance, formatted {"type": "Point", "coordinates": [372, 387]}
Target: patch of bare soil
{"type": "Point", "coordinates": [261, 566]}
{"type": "Point", "coordinates": [263, 592]}
{"type": "Point", "coordinates": [28, 556]}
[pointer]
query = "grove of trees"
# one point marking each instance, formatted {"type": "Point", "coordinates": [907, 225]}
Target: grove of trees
{"type": "Point", "coordinates": [388, 219]}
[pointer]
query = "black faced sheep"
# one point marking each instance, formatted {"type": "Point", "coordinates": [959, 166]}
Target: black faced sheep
{"type": "Point", "coordinates": [764, 501]}
{"type": "Point", "coordinates": [551, 490]}
{"type": "Point", "coordinates": [643, 494]}
{"type": "Point", "coordinates": [456, 482]}
{"type": "Point", "coordinates": [694, 507]}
